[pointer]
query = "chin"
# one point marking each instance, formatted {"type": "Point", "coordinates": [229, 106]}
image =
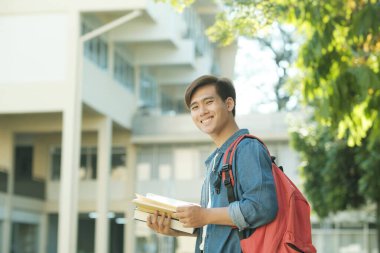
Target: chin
{"type": "Point", "coordinates": [207, 131]}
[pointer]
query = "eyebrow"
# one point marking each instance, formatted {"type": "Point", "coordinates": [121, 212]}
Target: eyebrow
{"type": "Point", "coordinates": [203, 99]}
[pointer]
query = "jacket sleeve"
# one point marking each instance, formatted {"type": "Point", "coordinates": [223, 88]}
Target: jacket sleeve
{"type": "Point", "coordinates": [257, 204]}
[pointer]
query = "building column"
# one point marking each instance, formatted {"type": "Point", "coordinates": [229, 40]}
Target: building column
{"type": "Point", "coordinates": [71, 136]}
{"type": "Point", "coordinates": [69, 183]}
{"type": "Point", "coordinates": [104, 168]}
{"type": "Point", "coordinates": [6, 163]}
{"type": "Point", "coordinates": [130, 225]}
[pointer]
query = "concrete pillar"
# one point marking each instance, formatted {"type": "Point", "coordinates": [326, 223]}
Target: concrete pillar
{"type": "Point", "coordinates": [68, 196]}
{"type": "Point", "coordinates": [71, 132]}
{"type": "Point", "coordinates": [6, 162]}
{"type": "Point", "coordinates": [130, 226]}
{"type": "Point", "coordinates": [104, 168]}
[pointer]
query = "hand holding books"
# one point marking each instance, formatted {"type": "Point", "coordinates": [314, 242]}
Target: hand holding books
{"type": "Point", "coordinates": [163, 210]}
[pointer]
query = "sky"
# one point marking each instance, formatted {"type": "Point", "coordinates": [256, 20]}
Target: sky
{"type": "Point", "coordinates": [255, 75]}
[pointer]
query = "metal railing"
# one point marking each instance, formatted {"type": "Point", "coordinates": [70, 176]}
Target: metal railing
{"type": "Point", "coordinates": [30, 188]}
{"type": "Point", "coordinates": [360, 240]}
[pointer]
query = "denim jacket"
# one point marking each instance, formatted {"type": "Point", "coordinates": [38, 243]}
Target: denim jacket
{"type": "Point", "coordinates": [254, 190]}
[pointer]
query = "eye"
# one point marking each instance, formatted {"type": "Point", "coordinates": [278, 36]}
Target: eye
{"type": "Point", "coordinates": [194, 107]}
{"type": "Point", "coordinates": [209, 101]}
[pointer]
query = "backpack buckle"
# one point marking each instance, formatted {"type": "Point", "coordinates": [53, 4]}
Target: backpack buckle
{"type": "Point", "coordinates": [227, 182]}
{"type": "Point", "coordinates": [226, 167]}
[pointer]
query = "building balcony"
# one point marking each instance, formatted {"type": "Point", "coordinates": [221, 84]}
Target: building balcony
{"type": "Point", "coordinates": [180, 128]}
{"type": "Point", "coordinates": [168, 26]}
{"type": "Point", "coordinates": [166, 129]}
{"type": "Point", "coordinates": [118, 190]}
{"type": "Point", "coordinates": [32, 188]}
{"type": "Point", "coordinates": [104, 94]}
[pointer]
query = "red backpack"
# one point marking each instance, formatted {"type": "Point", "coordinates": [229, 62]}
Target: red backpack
{"type": "Point", "coordinates": [290, 231]}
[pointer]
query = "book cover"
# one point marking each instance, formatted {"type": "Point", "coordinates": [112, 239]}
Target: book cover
{"type": "Point", "coordinates": [174, 224]}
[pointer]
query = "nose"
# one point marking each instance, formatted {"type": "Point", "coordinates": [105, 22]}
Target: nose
{"type": "Point", "coordinates": [203, 110]}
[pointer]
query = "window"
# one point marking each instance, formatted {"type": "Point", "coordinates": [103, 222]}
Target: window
{"type": "Point", "coordinates": [170, 103]}
{"type": "Point", "coordinates": [145, 160]}
{"type": "Point", "coordinates": [155, 163]}
{"type": "Point", "coordinates": [24, 237]}
{"type": "Point", "coordinates": [88, 162]}
{"type": "Point", "coordinates": [168, 162]}
{"type": "Point", "coordinates": [123, 71]}
{"type": "Point", "coordinates": [194, 26]}
{"type": "Point", "coordinates": [148, 89]}
{"type": "Point", "coordinates": [56, 163]}
{"type": "Point", "coordinates": [119, 164]}
{"type": "Point", "coordinates": [24, 163]}
{"type": "Point", "coordinates": [95, 49]}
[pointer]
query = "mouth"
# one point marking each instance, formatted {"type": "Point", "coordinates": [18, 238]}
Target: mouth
{"type": "Point", "coordinates": [206, 121]}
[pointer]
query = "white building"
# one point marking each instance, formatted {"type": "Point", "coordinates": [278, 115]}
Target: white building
{"type": "Point", "coordinates": [91, 111]}
{"type": "Point", "coordinates": [73, 76]}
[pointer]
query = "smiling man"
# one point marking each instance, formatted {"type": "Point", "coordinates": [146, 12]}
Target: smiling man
{"type": "Point", "coordinates": [212, 102]}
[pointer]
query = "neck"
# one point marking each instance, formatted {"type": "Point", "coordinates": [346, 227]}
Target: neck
{"type": "Point", "coordinates": [228, 131]}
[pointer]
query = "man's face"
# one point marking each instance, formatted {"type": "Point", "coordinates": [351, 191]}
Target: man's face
{"type": "Point", "coordinates": [208, 111]}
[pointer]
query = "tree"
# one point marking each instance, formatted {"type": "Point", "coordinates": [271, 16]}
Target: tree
{"type": "Point", "coordinates": [339, 59]}
{"type": "Point", "coordinates": [337, 176]}
{"type": "Point", "coordinates": [331, 169]}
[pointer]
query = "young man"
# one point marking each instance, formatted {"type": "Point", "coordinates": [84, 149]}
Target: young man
{"type": "Point", "coordinates": [212, 101]}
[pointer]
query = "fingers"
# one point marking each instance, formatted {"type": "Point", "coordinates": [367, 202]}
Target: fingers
{"type": "Point", "coordinates": [159, 223]}
{"type": "Point", "coordinates": [152, 221]}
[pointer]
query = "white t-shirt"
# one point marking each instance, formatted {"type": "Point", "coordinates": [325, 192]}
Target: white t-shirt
{"type": "Point", "coordinates": [204, 229]}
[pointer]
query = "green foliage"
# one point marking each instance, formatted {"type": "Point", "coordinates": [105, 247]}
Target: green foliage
{"type": "Point", "coordinates": [241, 18]}
{"type": "Point", "coordinates": [339, 60]}
{"type": "Point", "coordinates": [369, 160]}
{"type": "Point", "coordinates": [332, 174]}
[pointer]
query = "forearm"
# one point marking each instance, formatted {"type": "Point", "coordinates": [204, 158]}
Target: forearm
{"type": "Point", "coordinates": [218, 215]}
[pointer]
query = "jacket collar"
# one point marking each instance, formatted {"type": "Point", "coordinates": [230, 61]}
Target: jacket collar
{"type": "Point", "coordinates": [226, 144]}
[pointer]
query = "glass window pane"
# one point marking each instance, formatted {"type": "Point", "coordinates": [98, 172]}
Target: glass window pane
{"type": "Point", "coordinates": [24, 238]}
{"type": "Point", "coordinates": [56, 164]}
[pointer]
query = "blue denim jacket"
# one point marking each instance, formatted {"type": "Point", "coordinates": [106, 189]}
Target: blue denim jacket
{"type": "Point", "coordinates": [254, 189]}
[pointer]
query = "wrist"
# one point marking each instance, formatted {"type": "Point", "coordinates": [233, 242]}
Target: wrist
{"type": "Point", "coordinates": [207, 216]}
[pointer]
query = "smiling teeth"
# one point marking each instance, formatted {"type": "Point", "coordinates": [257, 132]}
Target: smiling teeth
{"type": "Point", "coordinates": [205, 121]}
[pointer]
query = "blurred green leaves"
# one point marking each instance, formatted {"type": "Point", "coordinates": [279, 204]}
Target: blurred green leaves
{"type": "Point", "coordinates": [339, 60]}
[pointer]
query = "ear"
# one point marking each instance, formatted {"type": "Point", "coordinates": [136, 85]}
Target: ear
{"type": "Point", "coordinates": [230, 103]}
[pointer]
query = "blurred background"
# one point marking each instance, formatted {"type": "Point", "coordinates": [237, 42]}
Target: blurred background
{"type": "Point", "coordinates": [92, 112]}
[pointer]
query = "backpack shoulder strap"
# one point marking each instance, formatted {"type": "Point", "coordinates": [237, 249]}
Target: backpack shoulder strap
{"type": "Point", "coordinates": [226, 172]}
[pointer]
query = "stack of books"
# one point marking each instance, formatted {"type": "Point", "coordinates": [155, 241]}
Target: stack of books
{"type": "Point", "coordinates": [150, 203]}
